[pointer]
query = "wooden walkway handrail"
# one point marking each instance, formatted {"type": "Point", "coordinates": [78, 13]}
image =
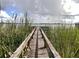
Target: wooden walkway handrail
{"type": "Point", "coordinates": [18, 51]}
{"type": "Point", "coordinates": [51, 47]}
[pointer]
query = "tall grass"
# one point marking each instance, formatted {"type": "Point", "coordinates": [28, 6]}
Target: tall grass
{"type": "Point", "coordinates": [65, 40]}
{"type": "Point", "coordinates": [11, 37]}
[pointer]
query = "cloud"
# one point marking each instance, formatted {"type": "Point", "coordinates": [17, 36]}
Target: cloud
{"type": "Point", "coordinates": [52, 7]}
{"type": "Point", "coordinates": [77, 1]}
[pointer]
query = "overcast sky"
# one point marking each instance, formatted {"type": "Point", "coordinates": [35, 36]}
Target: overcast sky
{"type": "Point", "coordinates": [35, 6]}
{"type": "Point", "coordinates": [53, 7]}
{"type": "Point", "coordinates": [43, 7]}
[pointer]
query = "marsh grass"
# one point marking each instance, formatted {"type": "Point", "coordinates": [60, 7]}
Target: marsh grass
{"type": "Point", "coordinates": [65, 40]}
{"type": "Point", "coordinates": [11, 38]}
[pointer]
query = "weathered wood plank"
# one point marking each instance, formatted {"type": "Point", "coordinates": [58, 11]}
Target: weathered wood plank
{"type": "Point", "coordinates": [19, 50]}
{"type": "Point", "coordinates": [33, 46]}
{"type": "Point", "coordinates": [42, 51]}
{"type": "Point", "coordinates": [53, 50]}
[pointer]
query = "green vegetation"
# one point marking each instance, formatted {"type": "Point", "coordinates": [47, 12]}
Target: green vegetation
{"type": "Point", "coordinates": [11, 37]}
{"type": "Point", "coordinates": [65, 40]}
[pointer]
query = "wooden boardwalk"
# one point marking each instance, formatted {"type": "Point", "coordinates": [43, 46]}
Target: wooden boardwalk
{"type": "Point", "coordinates": [41, 50]}
{"type": "Point", "coordinates": [36, 45]}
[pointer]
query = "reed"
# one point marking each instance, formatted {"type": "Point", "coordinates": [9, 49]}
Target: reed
{"type": "Point", "coordinates": [65, 40]}
{"type": "Point", "coordinates": [11, 37]}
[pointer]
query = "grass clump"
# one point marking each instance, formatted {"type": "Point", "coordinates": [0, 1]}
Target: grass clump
{"type": "Point", "coordinates": [11, 37]}
{"type": "Point", "coordinates": [65, 40]}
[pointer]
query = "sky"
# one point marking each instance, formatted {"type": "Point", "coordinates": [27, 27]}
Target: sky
{"type": "Point", "coordinates": [72, 7]}
{"type": "Point", "coordinates": [42, 7]}
{"type": "Point", "coordinates": [53, 7]}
